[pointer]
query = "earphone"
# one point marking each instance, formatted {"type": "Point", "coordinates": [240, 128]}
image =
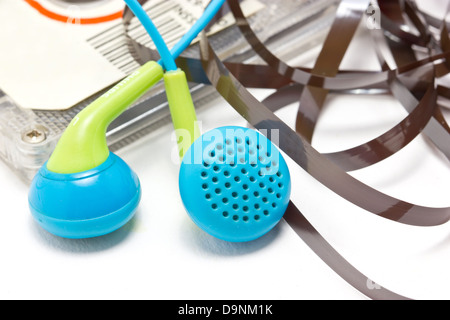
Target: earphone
{"type": "Point", "coordinates": [234, 183]}
{"type": "Point", "coordinates": [84, 190]}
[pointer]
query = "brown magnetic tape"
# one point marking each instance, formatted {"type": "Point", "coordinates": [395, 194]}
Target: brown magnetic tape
{"type": "Point", "coordinates": [412, 81]}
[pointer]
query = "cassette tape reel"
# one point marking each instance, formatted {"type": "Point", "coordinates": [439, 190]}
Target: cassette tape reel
{"type": "Point", "coordinates": [29, 135]}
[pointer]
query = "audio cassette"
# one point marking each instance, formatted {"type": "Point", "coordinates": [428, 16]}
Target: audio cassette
{"type": "Point", "coordinates": [62, 54]}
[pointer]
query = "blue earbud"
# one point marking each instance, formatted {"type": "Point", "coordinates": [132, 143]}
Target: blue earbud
{"type": "Point", "coordinates": [85, 204]}
{"type": "Point", "coordinates": [84, 190]}
{"type": "Point", "coordinates": [234, 183]}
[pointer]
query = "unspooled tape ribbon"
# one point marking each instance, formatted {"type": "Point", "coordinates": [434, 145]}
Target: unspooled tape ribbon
{"type": "Point", "coordinates": [410, 80]}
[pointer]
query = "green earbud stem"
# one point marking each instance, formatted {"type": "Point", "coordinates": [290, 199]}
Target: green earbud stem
{"type": "Point", "coordinates": [83, 144]}
{"type": "Point", "coordinates": [181, 109]}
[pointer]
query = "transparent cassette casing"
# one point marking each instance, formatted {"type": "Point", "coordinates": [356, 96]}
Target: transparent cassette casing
{"type": "Point", "coordinates": [289, 28]}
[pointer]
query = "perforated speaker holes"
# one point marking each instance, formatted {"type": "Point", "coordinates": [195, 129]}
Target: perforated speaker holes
{"type": "Point", "coordinates": [241, 180]}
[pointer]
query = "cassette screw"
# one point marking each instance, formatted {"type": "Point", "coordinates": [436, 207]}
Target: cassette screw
{"type": "Point", "coordinates": [33, 136]}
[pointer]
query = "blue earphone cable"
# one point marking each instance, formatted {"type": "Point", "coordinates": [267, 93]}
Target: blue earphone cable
{"type": "Point", "coordinates": [198, 26]}
{"type": "Point", "coordinates": [168, 57]}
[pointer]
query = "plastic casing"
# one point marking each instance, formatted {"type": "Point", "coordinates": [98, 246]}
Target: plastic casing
{"type": "Point", "coordinates": [234, 183]}
{"type": "Point", "coordinates": [287, 27]}
{"type": "Point", "coordinates": [86, 204]}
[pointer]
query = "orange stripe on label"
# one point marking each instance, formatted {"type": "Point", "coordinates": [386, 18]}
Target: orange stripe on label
{"type": "Point", "coordinates": [73, 20]}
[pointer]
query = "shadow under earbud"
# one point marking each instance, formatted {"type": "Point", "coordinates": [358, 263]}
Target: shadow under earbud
{"type": "Point", "coordinates": [195, 237]}
{"type": "Point", "coordinates": [86, 245]}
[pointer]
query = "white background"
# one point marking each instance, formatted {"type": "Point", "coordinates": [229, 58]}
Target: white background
{"type": "Point", "coordinates": [161, 254]}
